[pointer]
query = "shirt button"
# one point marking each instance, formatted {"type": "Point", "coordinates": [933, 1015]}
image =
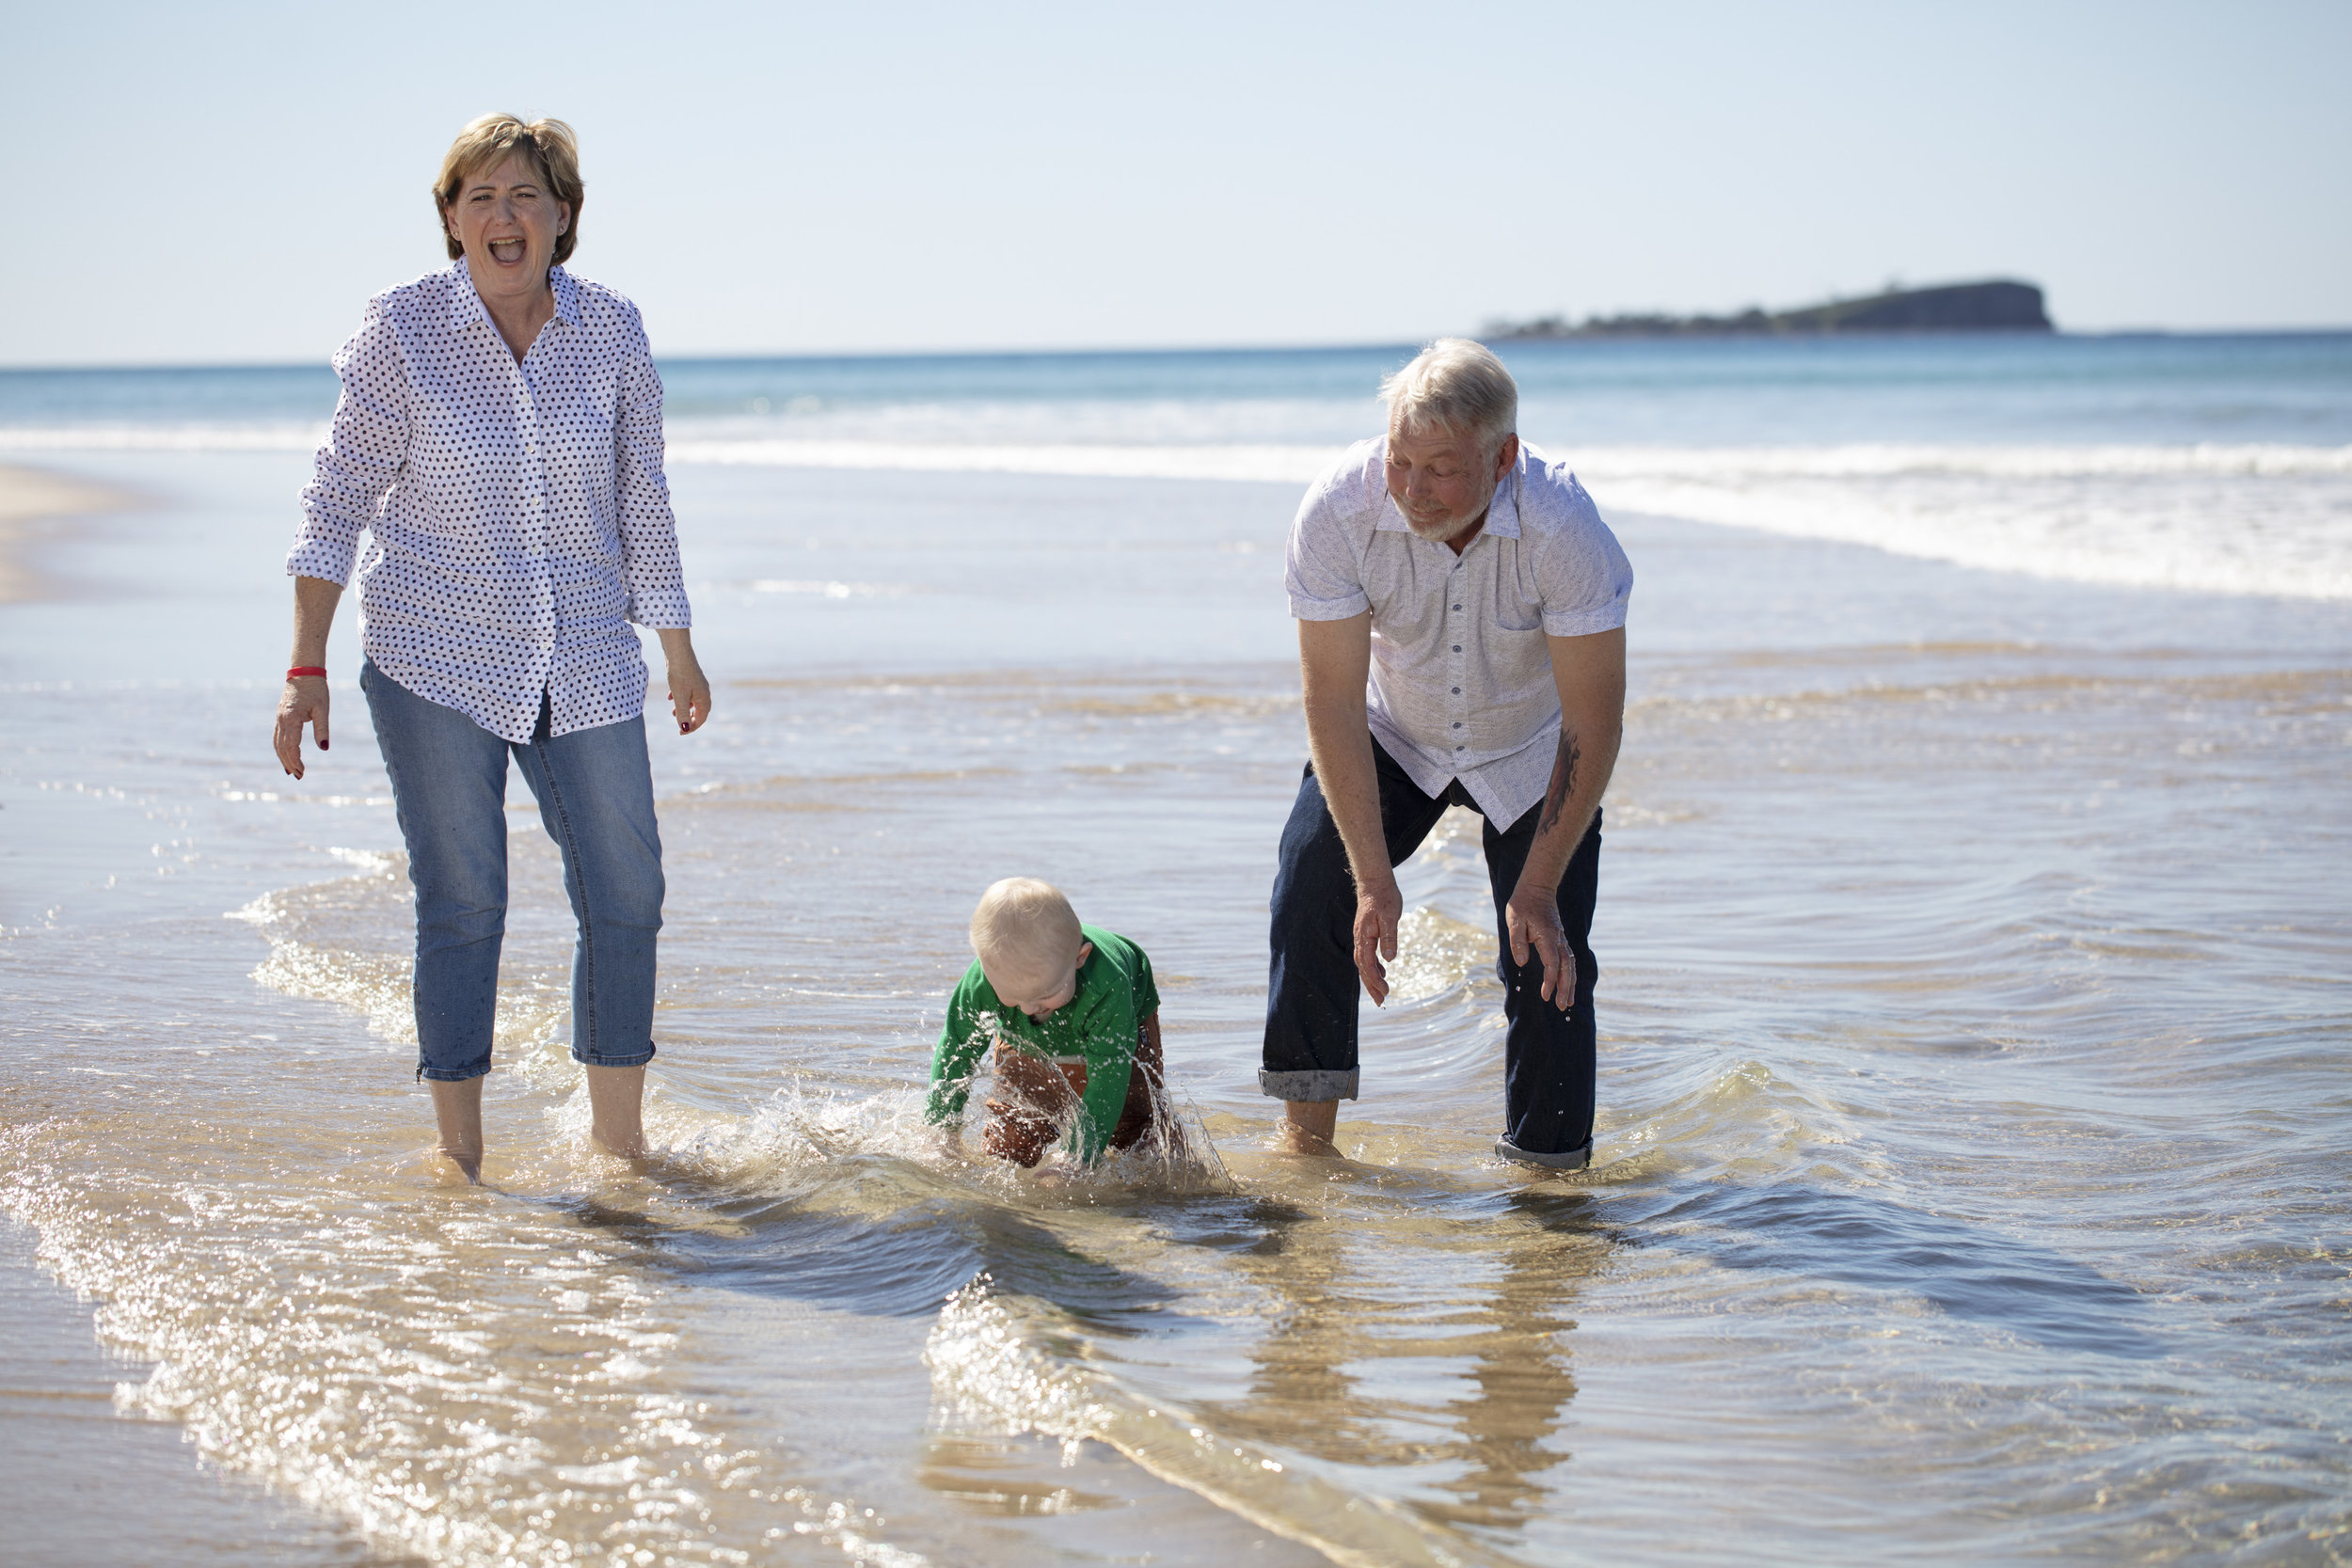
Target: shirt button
{"type": "Point", "coordinates": [1458, 723]}
{"type": "Point", "coordinates": [1457, 647]}
{"type": "Point", "coordinates": [1458, 692]}
{"type": "Point", "coordinates": [1457, 607]}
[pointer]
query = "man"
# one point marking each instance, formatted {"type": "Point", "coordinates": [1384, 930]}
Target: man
{"type": "Point", "coordinates": [1477, 587]}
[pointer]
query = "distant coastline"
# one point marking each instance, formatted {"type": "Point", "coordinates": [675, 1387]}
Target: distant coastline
{"type": "Point", "coordinates": [1996, 304]}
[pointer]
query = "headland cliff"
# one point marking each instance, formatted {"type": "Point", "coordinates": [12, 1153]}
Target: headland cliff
{"type": "Point", "coordinates": [2000, 304]}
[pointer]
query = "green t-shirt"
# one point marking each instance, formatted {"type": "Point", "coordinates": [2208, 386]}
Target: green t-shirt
{"type": "Point", "coordinates": [1099, 1024]}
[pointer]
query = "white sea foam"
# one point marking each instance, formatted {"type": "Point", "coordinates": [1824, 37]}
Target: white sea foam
{"type": "Point", "coordinates": [1283, 465]}
{"type": "Point", "coordinates": [2262, 519]}
{"type": "Point", "coordinates": [2226, 518]}
{"type": "Point", "coordinates": [828, 588]}
{"type": "Point", "coordinates": [285, 435]}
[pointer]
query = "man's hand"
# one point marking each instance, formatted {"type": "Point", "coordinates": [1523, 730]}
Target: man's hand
{"type": "Point", "coordinates": [1377, 911]}
{"type": "Point", "coordinates": [1532, 918]}
{"type": "Point", "coordinates": [303, 702]}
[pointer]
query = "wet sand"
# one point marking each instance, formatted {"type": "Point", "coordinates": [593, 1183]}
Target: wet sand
{"type": "Point", "coordinates": [68, 1460]}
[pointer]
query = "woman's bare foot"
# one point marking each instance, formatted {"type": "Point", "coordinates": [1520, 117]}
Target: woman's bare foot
{"type": "Point", "coordinates": [457, 1111]}
{"type": "Point", "coordinates": [616, 1103]}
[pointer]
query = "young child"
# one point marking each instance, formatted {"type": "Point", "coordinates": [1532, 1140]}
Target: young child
{"type": "Point", "coordinates": [1070, 1016]}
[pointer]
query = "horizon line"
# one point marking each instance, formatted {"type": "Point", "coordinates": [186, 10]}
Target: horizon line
{"type": "Point", "coordinates": [1175, 351]}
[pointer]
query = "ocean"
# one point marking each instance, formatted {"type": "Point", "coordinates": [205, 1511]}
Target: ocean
{"type": "Point", "coordinates": [1976, 1041]}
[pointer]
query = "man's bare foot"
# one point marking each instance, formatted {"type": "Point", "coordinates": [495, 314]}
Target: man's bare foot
{"type": "Point", "coordinates": [1308, 1127]}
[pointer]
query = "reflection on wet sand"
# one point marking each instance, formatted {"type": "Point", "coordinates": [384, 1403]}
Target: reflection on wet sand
{"type": "Point", "coordinates": [1437, 1346]}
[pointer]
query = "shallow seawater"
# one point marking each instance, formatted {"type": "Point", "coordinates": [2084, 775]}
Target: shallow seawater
{"type": "Point", "coordinates": [1976, 1055]}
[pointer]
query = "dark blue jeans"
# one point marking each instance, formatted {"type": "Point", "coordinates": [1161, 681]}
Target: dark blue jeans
{"type": "Point", "coordinates": [595, 789]}
{"type": "Point", "coordinates": [1312, 993]}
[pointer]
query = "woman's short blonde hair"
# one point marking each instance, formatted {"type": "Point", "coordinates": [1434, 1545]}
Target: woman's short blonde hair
{"type": "Point", "coordinates": [551, 148]}
{"type": "Point", "coordinates": [1024, 929]}
{"type": "Point", "coordinates": [1458, 384]}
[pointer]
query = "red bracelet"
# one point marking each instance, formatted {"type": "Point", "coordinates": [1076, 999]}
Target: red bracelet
{"type": "Point", "coordinates": [304, 669]}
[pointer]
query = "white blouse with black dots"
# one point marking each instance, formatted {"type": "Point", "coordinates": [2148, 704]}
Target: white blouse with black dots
{"type": "Point", "coordinates": [516, 514]}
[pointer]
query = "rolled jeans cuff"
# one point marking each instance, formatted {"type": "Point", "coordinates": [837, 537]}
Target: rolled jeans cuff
{"type": "Point", "coordinates": [452, 1074]}
{"type": "Point", "coordinates": [614, 1059]}
{"type": "Point", "coordinates": [1318, 1084]}
{"type": "Point", "coordinates": [1574, 1159]}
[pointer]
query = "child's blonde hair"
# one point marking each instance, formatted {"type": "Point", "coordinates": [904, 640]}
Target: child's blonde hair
{"type": "Point", "coordinates": [1026, 929]}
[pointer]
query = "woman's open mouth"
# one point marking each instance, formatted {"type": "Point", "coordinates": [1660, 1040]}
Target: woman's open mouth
{"type": "Point", "coordinates": [506, 252]}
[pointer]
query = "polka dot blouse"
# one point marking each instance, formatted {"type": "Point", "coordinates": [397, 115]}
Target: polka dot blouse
{"type": "Point", "coordinates": [517, 514]}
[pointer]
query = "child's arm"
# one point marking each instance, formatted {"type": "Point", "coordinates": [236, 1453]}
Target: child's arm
{"type": "Point", "coordinates": [963, 1041]}
{"type": "Point", "coordinates": [1110, 1053]}
{"type": "Point", "coordinates": [1152, 1063]}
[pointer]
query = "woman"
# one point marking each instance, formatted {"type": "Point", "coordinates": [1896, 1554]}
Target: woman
{"type": "Point", "coordinates": [500, 437]}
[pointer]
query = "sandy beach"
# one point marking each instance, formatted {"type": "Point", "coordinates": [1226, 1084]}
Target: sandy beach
{"type": "Point", "coordinates": [36, 505]}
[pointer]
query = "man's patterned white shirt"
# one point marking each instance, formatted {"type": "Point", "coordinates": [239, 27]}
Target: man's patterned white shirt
{"type": "Point", "coordinates": [1461, 684]}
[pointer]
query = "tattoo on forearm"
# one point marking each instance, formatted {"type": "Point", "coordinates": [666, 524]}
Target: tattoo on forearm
{"type": "Point", "coordinates": [1562, 782]}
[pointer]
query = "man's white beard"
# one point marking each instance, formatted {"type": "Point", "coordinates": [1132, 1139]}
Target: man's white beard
{"type": "Point", "coordinates": [1439, 530]}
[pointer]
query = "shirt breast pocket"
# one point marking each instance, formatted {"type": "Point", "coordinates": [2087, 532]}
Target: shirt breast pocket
{"type": "Point", "coordinates": [601, 404]}
{"type": "Point", "coordinates": [582, 397]}
{"type": "Point", "coordinates": [1403, 615]}
{"type": "Point", "coordinates": [1512, 614]}
{"type": "Point", "coordinates": [588, 418]}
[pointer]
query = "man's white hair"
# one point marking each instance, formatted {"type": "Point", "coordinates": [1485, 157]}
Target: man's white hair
{"type": "Point", "coordinates": [1458, 384]}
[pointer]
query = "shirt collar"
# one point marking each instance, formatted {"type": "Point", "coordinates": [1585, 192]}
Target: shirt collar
{"type": "Point", "coordinates": [1502, 513]}
{"type": "Point", "coordinates": [566, 296]}
{"type": "Point", "coordinates": [464, 304]}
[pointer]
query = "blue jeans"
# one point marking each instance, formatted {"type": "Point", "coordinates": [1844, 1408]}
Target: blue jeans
{"type": "Point", "coordinates": [1310, 1049]}
{"type": "Point", "coordinates": [595, 789]}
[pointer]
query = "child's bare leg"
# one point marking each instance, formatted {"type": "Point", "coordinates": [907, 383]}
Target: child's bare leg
{"type": "Point", "coordinates": [1024, 1123]}
{"type": "Point", "coordinates": [1017, 1134]}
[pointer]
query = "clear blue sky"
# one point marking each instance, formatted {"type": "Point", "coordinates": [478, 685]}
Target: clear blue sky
{"type": "Point", "coordinates": [229, 182]}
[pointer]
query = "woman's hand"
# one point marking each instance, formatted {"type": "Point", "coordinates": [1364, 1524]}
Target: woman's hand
{"type": "Point", "coordinates": [689, 688]}
{"type": "Point", "coordinates": [303, 702]}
